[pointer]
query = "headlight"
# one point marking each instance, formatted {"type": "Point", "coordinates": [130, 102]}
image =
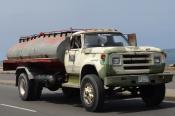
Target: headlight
{"type": "Point", "coordinates": [157, 59]}
{"type": "Point", "coordinates": [116, 61]}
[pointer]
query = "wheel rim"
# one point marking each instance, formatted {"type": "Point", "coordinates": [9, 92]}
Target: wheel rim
{"type": "Point", "coordinates": [22, 87]}
{"type": "Point", "coordinates": [88, 94]}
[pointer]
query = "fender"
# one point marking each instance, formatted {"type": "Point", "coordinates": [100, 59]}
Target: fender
{"type": "Point", "coordinates": [80, 76]}
{"type": "Point", "coordinates": [27, 70]}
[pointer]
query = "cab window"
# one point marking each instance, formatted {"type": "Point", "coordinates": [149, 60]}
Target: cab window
{"type": "Point", "coordinates": [75, 42]}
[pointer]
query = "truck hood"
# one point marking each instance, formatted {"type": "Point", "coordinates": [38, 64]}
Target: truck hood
{"type": "Point", "coordinates": [122, 49]}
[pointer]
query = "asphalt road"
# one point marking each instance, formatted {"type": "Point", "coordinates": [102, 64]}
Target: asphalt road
{"type": "Point", "coordinates": [55, 104]}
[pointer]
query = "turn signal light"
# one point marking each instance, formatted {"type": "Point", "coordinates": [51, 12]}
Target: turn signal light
{"type": "Point", "coordinates": [103, 56]}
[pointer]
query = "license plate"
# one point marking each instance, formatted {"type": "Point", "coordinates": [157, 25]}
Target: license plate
{"type": "Point", "coordinates": [143, 79]}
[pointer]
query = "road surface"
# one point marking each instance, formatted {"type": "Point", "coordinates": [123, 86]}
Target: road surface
{"type": "Point", "coordinates": [55, 104]}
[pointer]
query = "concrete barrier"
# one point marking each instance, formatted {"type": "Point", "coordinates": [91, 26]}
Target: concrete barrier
{"type": "Point", "coordinates": [170, 94]}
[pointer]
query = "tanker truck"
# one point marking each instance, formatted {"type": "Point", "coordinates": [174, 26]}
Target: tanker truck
{"type": "Point", "coordinates": [93, 63]}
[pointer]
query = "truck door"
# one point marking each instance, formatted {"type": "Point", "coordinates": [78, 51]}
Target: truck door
{"type": "Point", "coordinates": [72, 56]}
{"type": "Point", "coordinates": [74, 59]}
{"type": "Point", "coordinates": [77, 45]}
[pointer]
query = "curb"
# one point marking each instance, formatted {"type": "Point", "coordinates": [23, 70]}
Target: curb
{"type": "Point", "coordinates": [7, 82]}
{"type": "Point", "coordinates": [169, 98]}
{"type": "Point", "coordinates": [7, 72]}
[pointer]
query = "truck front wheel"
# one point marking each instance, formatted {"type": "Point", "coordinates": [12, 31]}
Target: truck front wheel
{"type": "Point", "coordinates": [28, 89]}
{"type": "Point", "coordinates": [92, 93]}
{"type": "Point", "coordinates": [152, 95]}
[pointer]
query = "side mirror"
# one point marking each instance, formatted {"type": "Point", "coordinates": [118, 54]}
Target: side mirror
{"type": "Point", "coordinates": [132, 40]}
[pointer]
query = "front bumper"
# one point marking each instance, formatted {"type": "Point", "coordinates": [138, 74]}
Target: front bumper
{"type": "Point", "coordinates": [136, 80]}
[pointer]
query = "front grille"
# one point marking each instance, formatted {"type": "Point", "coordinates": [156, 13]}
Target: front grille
{"type": "Point", "coordinates": [136, 61]}
{"type": "Point", "coordinates": [136, 67]}
{"type": "Point", "coordinates": [136, 56]}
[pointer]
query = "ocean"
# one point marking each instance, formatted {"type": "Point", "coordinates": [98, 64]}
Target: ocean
{"type": "Point", "coordinates": [170, 56]}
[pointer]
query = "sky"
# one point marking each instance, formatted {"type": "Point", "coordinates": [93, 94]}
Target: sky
{"type": "Point", "coordinates": [152, 20]}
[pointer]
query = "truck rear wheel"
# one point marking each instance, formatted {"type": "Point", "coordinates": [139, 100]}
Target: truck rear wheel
{"type": "Point", "coordinates": [92, 93]}
{"type": "Point", "coordinates": [28, 89]}
{"type": "Point", "coordinates": [152, 95]}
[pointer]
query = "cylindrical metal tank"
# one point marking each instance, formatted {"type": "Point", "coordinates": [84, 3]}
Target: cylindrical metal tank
{"type": "Point", "coordinates": [41, 47]}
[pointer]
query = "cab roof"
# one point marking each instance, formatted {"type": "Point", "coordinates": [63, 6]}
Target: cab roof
{"type": "Point", "coordinates": [97, 31]}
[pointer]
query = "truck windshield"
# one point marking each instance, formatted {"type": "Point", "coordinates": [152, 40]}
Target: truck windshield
{"type": "Point", "coordinates": [105, 40]}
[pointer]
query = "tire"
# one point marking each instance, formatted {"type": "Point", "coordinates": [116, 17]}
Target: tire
{"type": "Point", "coordinates": [152, 95]}
{"type": "Point", "coordinates": [28, 89]}
{"type": "Point", "coordinates": [71, 92]}
{"type": "Point", "coordinates": [92, 93]}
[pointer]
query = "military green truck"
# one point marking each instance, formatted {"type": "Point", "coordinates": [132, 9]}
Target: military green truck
{"type": "Point", "coordinates": [93, 63]}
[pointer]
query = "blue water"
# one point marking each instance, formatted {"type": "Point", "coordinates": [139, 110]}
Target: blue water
{"type": "Point", "coordinates": [170, 56]}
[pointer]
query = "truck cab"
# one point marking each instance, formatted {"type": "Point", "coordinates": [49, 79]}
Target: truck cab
{"type": "Point", "coordinates": [111, 53]}
{"type": "Point", "coordinates": [117, 62]}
